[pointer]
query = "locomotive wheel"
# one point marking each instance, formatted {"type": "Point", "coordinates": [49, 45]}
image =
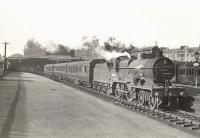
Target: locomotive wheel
{"type": "Point", "coordinates": [131, 95]}
{"type": "Point", "coordinates": [108, 90]}
{"type": "Point", "coordinates": [141, 97]}
{"type": "Point", "coordinates": [105, 90]}
{"type": "Point", "coordinates": [117, 91]}
{"type": "Point", "coordinates": [152, 102]}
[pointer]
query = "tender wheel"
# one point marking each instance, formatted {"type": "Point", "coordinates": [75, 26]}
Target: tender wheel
{"type": "Point", "coordinates": [131, 95]}
{"type": "Point", "coordinates": [141, 98]}
{"type": "Point", "coordinates": [117, 91]}
{"type": "Point", "coordinates": [152, 102]}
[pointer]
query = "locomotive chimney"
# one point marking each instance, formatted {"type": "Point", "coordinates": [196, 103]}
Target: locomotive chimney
{"type": "Point", "coordinates": [159, 54]}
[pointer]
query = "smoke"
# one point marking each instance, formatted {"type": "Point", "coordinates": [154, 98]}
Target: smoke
{"type": "Point", "coordinates": [110, 54]}
{"type": "Point", "coordinates": [89, 42]}
{"type": "Point", "coordinates": [51, 47]}
{"type": "Point", "coordinates": [108, 49]}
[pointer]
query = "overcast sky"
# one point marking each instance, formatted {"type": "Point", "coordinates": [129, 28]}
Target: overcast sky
{"type": "Point", "coordinates": [170, 22]}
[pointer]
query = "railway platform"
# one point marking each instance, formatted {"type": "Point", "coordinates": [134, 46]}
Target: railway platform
{"type": "Point", "coordinates": [33, 106]}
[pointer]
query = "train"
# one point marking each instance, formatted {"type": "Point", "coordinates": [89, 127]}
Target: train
{"type": "Point", "coordinates": [145, 79]}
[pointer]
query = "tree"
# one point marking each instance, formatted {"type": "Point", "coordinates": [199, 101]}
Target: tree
{"type": "Point", "coordinates": [72, 53]}
{"type": "Point", "coordinates": [62, 50]}
{"type": "Point", "coordinates": [33, 49]}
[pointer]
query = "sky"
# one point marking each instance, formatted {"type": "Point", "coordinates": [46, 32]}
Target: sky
{"type": "Point", "coordinates": [141, 22]}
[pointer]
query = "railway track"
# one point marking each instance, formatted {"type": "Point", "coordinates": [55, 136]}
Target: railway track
{"type": "Point", "coordinates": [178, 119]}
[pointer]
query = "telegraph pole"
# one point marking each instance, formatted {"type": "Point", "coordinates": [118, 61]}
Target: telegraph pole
{"type": "Point", "coordinates": [5, 60]}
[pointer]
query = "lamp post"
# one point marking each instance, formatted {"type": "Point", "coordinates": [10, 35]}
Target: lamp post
{"type": "Point", "coordinates": [196, 64]}
{"type": "Point", "coordinates": [5, 60]}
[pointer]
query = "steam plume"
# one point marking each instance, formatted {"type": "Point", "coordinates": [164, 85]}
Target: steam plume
{"type": "Point", "coordinates": [107, 50]}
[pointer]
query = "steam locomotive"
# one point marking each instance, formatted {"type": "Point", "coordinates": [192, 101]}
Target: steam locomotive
{"type": "Point", "coordinates": [145, 79]}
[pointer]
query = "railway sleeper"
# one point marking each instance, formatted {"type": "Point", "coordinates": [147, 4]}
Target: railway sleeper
{"type": "Point", "coordinates": [179, 123]}
{"type": "Point", "coordinates": [155, 114]}
{"type": "Point", "coordinates": [160, 116]}
{"type": "Point", "coordinates": [195, 128]}
{"type": "Point", "coordinates": [187, 125]}
{"type": "Point", "coordinates": [173, 120]}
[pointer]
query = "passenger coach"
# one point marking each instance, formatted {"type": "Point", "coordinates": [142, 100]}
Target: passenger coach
{"type": "Point", "coordinates": [186, 73]}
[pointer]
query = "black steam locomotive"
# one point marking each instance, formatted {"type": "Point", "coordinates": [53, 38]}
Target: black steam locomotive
{"type": "Point", "coordinates": [145, 79]}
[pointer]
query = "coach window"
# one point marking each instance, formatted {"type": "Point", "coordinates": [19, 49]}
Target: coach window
{"type": "Point", "coordinates": [198, 71]}
{"type": "Point", "coordinates": [85, 69]}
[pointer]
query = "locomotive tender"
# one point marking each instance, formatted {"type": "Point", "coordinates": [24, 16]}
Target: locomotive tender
{"type": "Point", "coordinates": [144, 80]}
